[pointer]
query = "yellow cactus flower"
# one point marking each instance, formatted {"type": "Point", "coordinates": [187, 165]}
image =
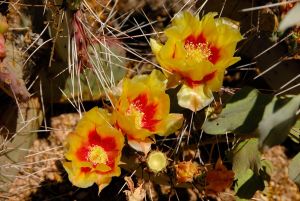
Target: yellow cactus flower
{"type": "Point", "coordinates": [93, 150]}
{"type": "Point", "coordinates": [143, 108]}
{"type": "Point", "coordinates": [197, 52]}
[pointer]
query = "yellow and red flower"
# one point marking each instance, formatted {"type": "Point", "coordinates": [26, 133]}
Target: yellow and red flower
{"type": "Point", "coordinates": [143, 108]}
{"type": "Point", "coordinates": [94, 150]}
{"type": "Point", "coordinates": [197, 52]}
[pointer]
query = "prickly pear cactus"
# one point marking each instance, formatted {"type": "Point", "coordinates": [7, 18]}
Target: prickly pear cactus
{"type": "Point", "coordinates": [89, 64]}
{"type": "Point", "coordinates": [11, 66]}
{"type": "Point", "coordinates": [18, 127]}
{"type": "Point", "coordinates": [21, 113]}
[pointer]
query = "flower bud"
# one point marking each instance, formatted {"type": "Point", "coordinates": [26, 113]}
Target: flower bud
{"type": "Point", "coordinates": [157, 161]}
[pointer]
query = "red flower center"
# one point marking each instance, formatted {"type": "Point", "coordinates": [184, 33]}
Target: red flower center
{"type": "Point", "coordinates": [146, 112]}
{"type": "Point", "coordinates": [198, 48]}
{"type": "Point", "coordinates": [193, 83]}
{"type": "Point", "coordinates": [98, 150]}
{"type": "Point", "coordinates": [85, 169]}
{"type": "Point", "coordinates": [97, 155]}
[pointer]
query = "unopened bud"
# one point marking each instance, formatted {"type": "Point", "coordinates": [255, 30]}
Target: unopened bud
{"type": "Point", "coordinates": [157, 161]}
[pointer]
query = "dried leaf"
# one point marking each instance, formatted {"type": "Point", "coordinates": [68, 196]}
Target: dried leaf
{"type": "Point", "coordinates": [135, 194]}
{"type": "Point", "coordinates": [141, 145]}
{"type": "Point", "coordinates": [218, 179]}
{"type": "Point", "coordinates": [129, 183]}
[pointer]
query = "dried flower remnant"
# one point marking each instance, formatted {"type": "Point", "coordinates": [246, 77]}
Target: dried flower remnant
{"type": "Point", "coordinates": [93, 150]}
{"type": "Point", "coordinates": [197, 53]}
{"type": "Point", "coordinates": [143, 108]}
{"type": "Point", "coordinates": [186, 171]}
{"type": "Point", "coordinates": [218, 179]}
{"type": "Point", "coordinates": [134, 194]}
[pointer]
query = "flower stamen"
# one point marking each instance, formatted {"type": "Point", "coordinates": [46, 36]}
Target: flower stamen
{"type": "Point", "coordinates": [136, 111]}
{"type": "Point", "coordinates": [199, 51]}
{"type": "Point", "coordinates": [97, 155]}
{"type": "Point", "coordinates": [143, 111]}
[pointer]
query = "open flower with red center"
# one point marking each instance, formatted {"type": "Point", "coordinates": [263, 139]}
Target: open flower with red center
{"type": "Point", "coordinates": [93, 150]}
{"type": "Point", "coordinates": [197, 52]}
{"type": "Point", "coordinates": [143, 108]}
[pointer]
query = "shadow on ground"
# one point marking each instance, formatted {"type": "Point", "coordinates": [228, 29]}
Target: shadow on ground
{"type": "Point", "coordinates": [51, 190]}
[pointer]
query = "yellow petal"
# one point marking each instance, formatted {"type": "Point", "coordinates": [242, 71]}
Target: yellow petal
{"type": "Point", "coordinates": [155, 46]}
{"type": "Point", "coordinates": [127, 125]}
{"type": "Point", "coordinates": [102, 183]}
{"type": "Point", "coordinates": [73, 142]}
{"type": "Point", "coordinates": [194, 98]}
{"type": "Point", "coordinates": [141, 145]}
{"type": "Point", "coordinates": [183, 25]}
{"type": "Point", "coordinates": [170, 124]}
{"type": "Point", "coordinates": [103, 168]}
{"type": "Point", "coordinates": [208, 26]}
{"type": "Point", "coordinates": [157, 81]}
{"type": "Point", "coordinates": [79, 178]}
